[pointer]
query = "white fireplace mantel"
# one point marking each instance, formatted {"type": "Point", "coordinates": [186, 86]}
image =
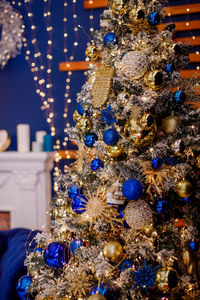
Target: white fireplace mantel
{"type": "Point", "coordinates": [25, 188]}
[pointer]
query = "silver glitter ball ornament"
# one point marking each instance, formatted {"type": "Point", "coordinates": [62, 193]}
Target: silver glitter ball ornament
{"type": "Point", "coordinates": [138, 214]}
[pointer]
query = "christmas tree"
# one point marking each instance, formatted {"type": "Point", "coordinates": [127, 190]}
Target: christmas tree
{"type": "Point", "coordinates": [126, 219]}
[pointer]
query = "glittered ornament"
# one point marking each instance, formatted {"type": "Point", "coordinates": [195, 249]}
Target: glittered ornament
{"type": "Point", "coordinates": [167, 279]}
{"type": "Point", "coordinates": [170, 124]}
{"type": "Point", "coordinates": [132, 189]}
{"type": "Point", "coordinates": [96, 164]}
{"type": "Point", "coordinates": [74, 191]}
{"type": "Point", "coordinates": [123, 98]}
{"type": "Point", "coordinates": [161, 206]}
{"type": "Point", "coordinates": [119, 6]}
{"type": "Point", "coordinates": [154, 79]}
{"type": "Point", "coordinates": [136, 13]}
{"type": "Point", "coordinates": [56, 255]}
{"type": "Point", "coordinates": [105, 290]}
{"type": "Point", "coordinates": [84, 124]}
{"type": "Point", "coordinates": [169, 68]}
{"type": "Point", "coordinates": [138, 214]}
{"type": "Point", "coordinates": [23, 286]}
{"type": "Point", "coordinates": [115, 196]}
{"type": "Point", "coordinates": [126, 264]}
{"type": "Point", "coordinates": [184, 188]}
{"type": "Point", "coordinates": [179, 97]}
{"type": "Point", "coordinates": [133, 65]}
{"type": "Point", "coordinates": [92, 52]}
{"type": "Point", "coordinates": [110, 39]}
{"type": "Point", "coordinates": [111, 137]}
{"type": "Point", "coordinates": [178, 147]}
{"type": "Point", "coordinates": [156, 163]}
{"type": "Point", "coordinates": [141, 131]}
{"type": "Point", "coordinates": [154, 18]}
{"type": "Point", "coordinates": [76, 244]}
{"type": "Point", "coordinates": [112, 250]}
{"type": "Point", "coordinates": [97, 297]}
{"type": "Point", "coordinates": [90, 139]}
{"type": "Point", "coordinates": [193, 246]}
{"type": "Point", "coordinates": [115, 151]}
{"type": "Point", "coordinates": [108, 116]}
{"type": "Point", "coordinates": [79, 203]}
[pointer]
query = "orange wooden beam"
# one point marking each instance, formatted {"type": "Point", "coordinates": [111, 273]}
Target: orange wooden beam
{"type": "Point", "coordinates": [190, 73]}
{"type": "Point", "coordinates": [90, 4]}
{"type": "Point", "coordinates": [194, 58]}
{"type": "Point", "coordinates": [194, 40]}
{"type": "Point", "coordinates": [182, 26]}
{"type": "Point", "coordinates": [75, 65]}
{"type": "Point", "coordinates": [67, 154]}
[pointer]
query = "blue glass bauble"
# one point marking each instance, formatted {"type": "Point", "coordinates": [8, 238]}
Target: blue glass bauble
{"type": "Point", "coordinates": [79, 203]}
{"type": "Point", "coordinates": [110, 38]}
{"type": "Point", "coordinates": [126, 264]}
{"type": "Point", "coordinates": [161, 206]}
{"type": "Point", "coordinates": [96, 164]}
{"type": "Point", "coordinates": [179, 97]}
{"type": "Point", "coordinates": [22, 286]}
{"type": "Point", "coordinates": [56, 255]}
{"type": "Point", "coordinates": [156, 163]}
{"type": "Point", "coordinates": [80, 109]}
{"type": "Point", "coordinates": [193, 246]}
{"type": "Point", "coordinates": [90, 139]}
{"type": "Point", "coordinates": [132, 189]}
{"type": "Point", "coordinates": [170, 68]}
{"type": "Point", "coordinates": [111, 137]}
{"type": "Point", "coordinates": [154, 18]}
{"type": "Point", "coordinates": [74, 191]}
{"type": "Point", "coordinates": [105, 290]}
{"type": "Point", "coordinates": [76, 244]}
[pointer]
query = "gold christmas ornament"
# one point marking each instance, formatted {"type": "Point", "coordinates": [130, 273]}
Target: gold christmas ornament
{"type": "Point", "coordinates": [198, 162]}
{"type": "Point", "coordinates": [119, 6]}
{"type": "Point", "coordinates": [115, 151]}
{"type": "Point", "coordinates": [84, 124]}
{"type": "Point", "coordinates": [141, 131]}
{"type": "Point", "coordinates": [154, 79]}
{"type": "Point", "coordinates": [171, 124]}
{"type": "Point", "coordinates": [101, 87]}
{"type": "Point", "coordinates": [123, 98]}
{"type": "Point", "coordinates": [92, 52]}
{"type": "Point", "coordinates": [112, 250]}
{"type": "Point", "coordinates": [167, 279]}
{"type": "Point", "coordinates": [184, 188]}
{"type": "Point", "coordinates": [133, 65]}
{"type": "Point", "coordinates": [76, 116]}
{"type": "Point", "coordinates": [138, 214]}
{"type": "Point", "coordinates": [137, 13]}
{"type": "Point", "coordinates": [97, 297]}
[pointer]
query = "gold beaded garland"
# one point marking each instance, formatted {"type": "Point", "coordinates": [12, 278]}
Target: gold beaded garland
{"type": "Point", "coordinates": [154, 79]}
{"type": "Point", "coordinates": [112, 250]}
{"type": "Point", "coordinates": [184, 188]}
{"type": "Point", "coordinates": [170, 124]}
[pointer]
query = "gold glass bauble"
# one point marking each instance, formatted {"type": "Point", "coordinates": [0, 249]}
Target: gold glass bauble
{"type": "Point", "coordinates": [154, 79]}
{"type": "Point", "coordinates": [198, 162]}
{"type": "Point", "coordinates": [184, 188]}
{"type": "Point", "coordinates": [171, 124]}
{"type": "Point", "coordinates": [141, 131]}
{"type": "Point", "coordinates": [136, 13]}
{"type": "Point", "coordinates": [76, 116]}
{"type": "Point", "coordinates": [167, 279]}
{"type": "Point", "coordinates": [115, 151]}
{"type": "Point", "coordinates": [112, 250]}
{"type": "Point", "coordinates": [84, 124]}
{"type": "Point", "coordinates": [119, 6]}
{"type": "Point", "coordinates": [97, 297]}
{"type": "Point", "coordinates": [92, 52]}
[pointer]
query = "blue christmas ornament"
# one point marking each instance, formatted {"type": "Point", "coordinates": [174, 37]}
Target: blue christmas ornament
{"type": "Point", "coordinates": [154, 18]}
{"type": "Point", "coordinates": [96, 164]}
{"type": "Point", "coordinates": [179, 97]}
{"type": "Point", "coordinates": [161, 206]}
{"type": "Point", "coordinates": [90, 139]}
{"type": "Point", "coordinates": [126, 264]}
{"type": "Point", "coordinates": [170, 68]}
{"type": "Point", "coordinates": [111, 137]}
{"type": "Point", "coordinates": [22, 287]}
{"type": "Point", "coordinates": [145, 277]}
{"type": "Point", "coordinates": [56, 255]}
{"type": "Point", "coordinates": [193, 246]}
{"type": "Point", "coordinates": [187, 200]}
{"type": "Point", "coordinates": [105, 290]}
{"type": "Point", "coordinates": [110, 39]}
{"type": "Point", "coordinates": [120, 210]}
{"type": "Point", "coordinates": [74, 191]}
{"type": "Point", "coordinates": [40, 250]}
{"type": "Point", "coordinates": [79, 203]}
{"type": "Point", "coordinates": [132, 189]}
{"type": "Point", "coordinates": [76, 244]}
{"type": "Point", "coordinates": [80, 109]}
{"type": "Point", "coordinates": [156, 163]}
{"type": "Point", "coordinates": [108, 116]}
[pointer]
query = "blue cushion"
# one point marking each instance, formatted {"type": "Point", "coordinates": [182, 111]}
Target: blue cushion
{"type": "Point", "coordinates": [12, 256]}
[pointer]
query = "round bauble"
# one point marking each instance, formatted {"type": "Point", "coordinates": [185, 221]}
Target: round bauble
{"type": "Point", "coordinates": [171, 124]}
{"type": "Point", "coordinates": [184, 188]}
{"type": "Point", "coordinates": [154, 79]}
{"type": "Point", "coordinates": [84, 124]}
{"type": "Point", "coordinates": [193, 246]}
{"type": "Point", "coordinates": [136, 13]}
{"type": "Point", "coordinates": [111, 137]}
{"type": "Point", "coordinates": [90, 139]}
{"type": "Point", "coordinates": [132, 189]}
{"type": "Point", "coordinates": [79, 203]}
{"type": "Point", "coordinates": [76, 244]}
{"type": "Point", "coordinates": [80, 109]}
{"type": "Point", "coordinates": [110, 39]}
{"type": "Point", "coordinates": [154, 18]}
{"type": "Point", "coordinates": [179, 97]}
{"type": "Point", "coordinates": [105, 290]}
{"type": "Point", "coordinates": [156, 163]}
{"type": "Point", "coordinates": [92, 52]}
{"type": "Point", "coordinates": [115, 151]}
{"type": "Point", "coordinates": [167, 279]}
{"type": "Point", "coordinates": [178, 147]}
{"type": "Point", "coordinates": [97, 297]}
{"type": "Point", "coordinates": [169, 68]}
{"type": "Point", "coordinates": [119, 6]}
{"type": "Point", "coordinates": [138, 214]}
{"type": "Point", "coordinates": [96, 164]}
{"type": "Point", "coordinates": [56, 255]}
{"type": "Point", "coordinates": [23, 285]}
{"type": "Point", "coordinates": [133, 65]}
{"type": "Point", "coordinates": [74, 191]}
{"type": "Point", "coordinates": [112, 250]}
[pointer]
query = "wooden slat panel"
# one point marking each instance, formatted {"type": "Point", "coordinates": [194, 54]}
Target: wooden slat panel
{"type": "Point", "coordinates": [90, 4]}
{"type": "Point", "coordinates": [75, 66]}
{"type": "Point", "coordinates": [182, 26]}
{"type": "Point", "coordinates": [67, 154]}
{"type": "Point", "coordinates": [194, 58]}
{"type": "Point", "coordinates": [195, 41]}
{"type": "Point", "coordinates": [190, 73]}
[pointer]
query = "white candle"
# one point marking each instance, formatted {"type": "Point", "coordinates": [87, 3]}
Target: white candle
{"type": "Point", "coordinates": [23, 138]}
{"type": "Point", "coordinates": [39, 136]}
{"type": "Point", "coordinates": [37, 147]}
